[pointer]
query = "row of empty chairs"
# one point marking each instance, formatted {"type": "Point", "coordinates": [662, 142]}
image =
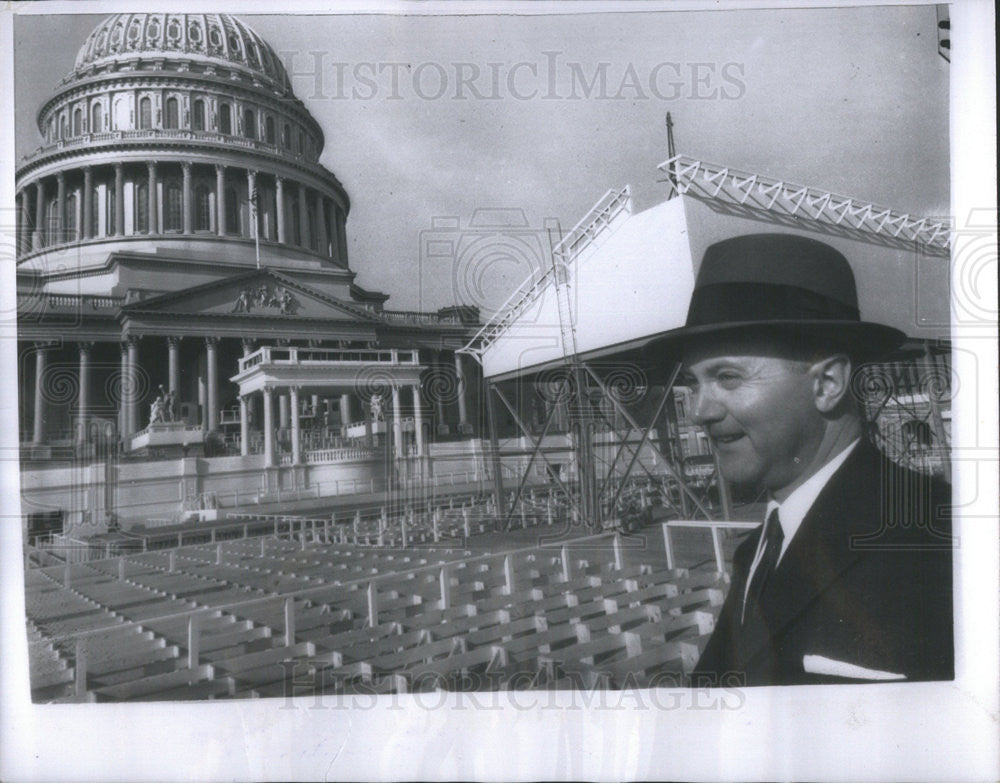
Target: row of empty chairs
{"type": "Point", "coordinates": [307, 615]}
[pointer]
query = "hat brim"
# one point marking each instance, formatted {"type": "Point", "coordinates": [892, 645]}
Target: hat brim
{"type": "Point", "coordinates": [862, 340]}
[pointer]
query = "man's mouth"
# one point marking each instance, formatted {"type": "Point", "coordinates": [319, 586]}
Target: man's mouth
{"type": "Point", "coordinates": [725, 440]}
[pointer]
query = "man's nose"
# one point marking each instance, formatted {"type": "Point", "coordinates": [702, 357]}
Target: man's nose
{"type": "Point", "coordinates": [706, 408]}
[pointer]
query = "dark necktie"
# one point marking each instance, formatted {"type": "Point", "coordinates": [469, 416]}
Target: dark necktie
{"type": "Point", "coordinates": [773, 537]}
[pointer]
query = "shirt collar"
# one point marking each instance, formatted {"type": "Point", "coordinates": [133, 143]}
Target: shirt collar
{"type": "Point", "coordinates": [793, 510]}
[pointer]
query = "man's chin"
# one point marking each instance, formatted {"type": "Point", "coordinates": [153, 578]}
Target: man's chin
{"type": "Point", "coordinates": [739, 475]}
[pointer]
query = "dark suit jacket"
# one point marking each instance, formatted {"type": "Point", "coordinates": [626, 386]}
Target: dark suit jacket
{"type": "Point", "coordinates": [867, 580]}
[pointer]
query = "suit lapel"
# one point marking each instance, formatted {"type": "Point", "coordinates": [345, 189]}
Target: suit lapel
{"type": "Point", "coordinates": [820, 551]}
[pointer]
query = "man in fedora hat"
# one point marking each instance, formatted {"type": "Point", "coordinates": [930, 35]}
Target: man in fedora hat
{"type": "Point", "coordinates": [849, 578]}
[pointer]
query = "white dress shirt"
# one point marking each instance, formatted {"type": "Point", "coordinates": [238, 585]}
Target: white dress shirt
{"type": "Point", "coordinates": [793, 510]}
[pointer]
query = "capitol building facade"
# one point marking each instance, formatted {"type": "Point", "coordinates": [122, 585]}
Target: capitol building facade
{"type": "Point", "coordinates": [191, 336]}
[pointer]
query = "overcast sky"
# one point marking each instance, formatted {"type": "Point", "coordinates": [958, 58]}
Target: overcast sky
{"type": "Point", "coordinates": [555, 110]}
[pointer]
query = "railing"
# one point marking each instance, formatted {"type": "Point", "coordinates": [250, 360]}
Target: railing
{"type": "Point", "coordinates": [714, 526]}
{"type": "Point", "coordinates": [159, 134]}
{"type": "Point", "coordinates": [321, 456]}
{"type": "Point", "coordinates": [291, 355]}
{"type": "Point", "coordinates": [600, 217]}
{"type": "Point", "coordinates": [407, 317]}
{"type": "Point", "coordinates": [75, 301]}
{"type": "Point", "coordinates": [609, 206]}
{"type": "Point", "coordinates": [168, 426]}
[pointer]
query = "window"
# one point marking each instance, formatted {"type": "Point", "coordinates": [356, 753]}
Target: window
{"type": "Point", "coordinates": [53, 221]}
{"type": "Point", "coordinates": [145, 113]}
{"type": "Point", "coordinates": [171, 118]}
{"type": "Point", "coordinates": [286, 136]}
{"type": "Point", "coordinates": [63, 127]}
{"type": "Point", "coordinates": [142, 208]}
{"type": "Point", "coordinates": [681, 406]}
{"type": "Point", "coordinates": [301, 144]}
{"type": "Point", "coordinates": [77, 122]}
{"type": "Point", "coordinates": [269, 130]}
{"type": "Point", "coordinates": [249, 124]}
{"type": "Point", "coordinates": [198, 115]}
{"type": "Point", "coordinates": [173, 207]}
{"type": "Point", "coordinates": [225, 119]}
{"type": "Point", "coordinates": [232, 212]}
{"type": "Point", "coordinates": [96, 119]}
{"type": "Point", "coordinates": [313, 241]}
{"type": "Point", "coordinates": [202, 209]}
{"type": "Point", "coordinates": [296, 232]}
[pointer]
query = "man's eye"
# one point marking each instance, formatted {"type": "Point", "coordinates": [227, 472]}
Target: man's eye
{"type": "Point", "coordinates": [728, 379]}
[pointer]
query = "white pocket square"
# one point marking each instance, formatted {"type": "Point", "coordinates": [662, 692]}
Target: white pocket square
{"type": "Point", "coordinates": [820, 664]}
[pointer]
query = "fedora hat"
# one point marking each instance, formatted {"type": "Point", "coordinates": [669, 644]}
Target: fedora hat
{"type": "Point", "coordinates": [781, 284]}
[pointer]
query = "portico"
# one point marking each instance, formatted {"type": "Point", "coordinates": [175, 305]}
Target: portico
{"type": "Point", "coordinates": [298, 373]}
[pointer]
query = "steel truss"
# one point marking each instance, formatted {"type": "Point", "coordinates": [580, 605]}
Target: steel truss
{"type": "Point", "coordinates": [603, 488]}
{"type": "Point", "coordinates": [782, 198]}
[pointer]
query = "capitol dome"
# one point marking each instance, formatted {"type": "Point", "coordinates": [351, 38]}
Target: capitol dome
{"type": "Point", "coordinates": [179, 131]}
{"type": "Point", "coordinates": [207, 38]}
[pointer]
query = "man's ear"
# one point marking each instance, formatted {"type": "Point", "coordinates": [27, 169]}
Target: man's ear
{"type": "Point", "coordinates": [831, 381]}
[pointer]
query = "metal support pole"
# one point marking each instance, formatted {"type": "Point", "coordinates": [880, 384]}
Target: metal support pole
{"type": "Point", "coordinates": [194, 640]}
{"type": "Point", "coordinates": [495, 451]}
{"type": "Point", "coordinates": [289, 622]}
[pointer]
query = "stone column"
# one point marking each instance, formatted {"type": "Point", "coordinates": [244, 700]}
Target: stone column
{"type": "Point", "coordinates": [88, 202]}
{"type": "Point", "coordinates": [25, 236]}
{"type": "Point", "coordinates": [22, 221]}
{"type": "Point", "coordinates": [212, 378]}
{"type": "Point", "coordinates": [151, 186]}
{"type": "Point", "coordinates": [442, 422]}
{"type": "Point", "coordinates": [173, 365]}
{"type": "Point", "coordinates": [341, 237]}
{"type": "Point", "coordinates": [324, 242]}
{"type": "Point", "coordinates": [280, 208]}
{"type": "Point", "coordinates": [123, 392]}
{"type": "Point", "coordinates": [253, 210]}
{"type": "Point", "coordinates": [41, 359]}
{"type": "Point", "coordinates": [397, 423]}
{"type": "Point", "coordinates": [244, 427]}
{"type": "Point", "coordinates": [220, 200]}
{"type": "Point", "coordinates": [268, 429]}
{"type": "Point", "coordinates": [334, 240]}
{"type": "Point", "coordinates": [60, 207]}
{"type": "Point", "coordinates": [119, 199]}
{"type": "Point", "coordinates": [38, 237]}
{"type": "Point", "coordinates": [418, 420]}
{"type": "Point", "coordinates": [463, 411]}
{"type": "Point", "coordinates": [82, 401]}
{"type": "Point", "coordinates": [369, 436]}
{"type": "Point", "coordinates": [131, 380]}
{"type": "Point", "coordinates": [78, 214]}
{"type": "Point", "coordinates": [186, 197]}
{"type": "Point", "coordinates": [345, 412]}
{"type": "Point", "coordinates": [296, 446]}
{"type": "Point", "coordinates": [303, 217]}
